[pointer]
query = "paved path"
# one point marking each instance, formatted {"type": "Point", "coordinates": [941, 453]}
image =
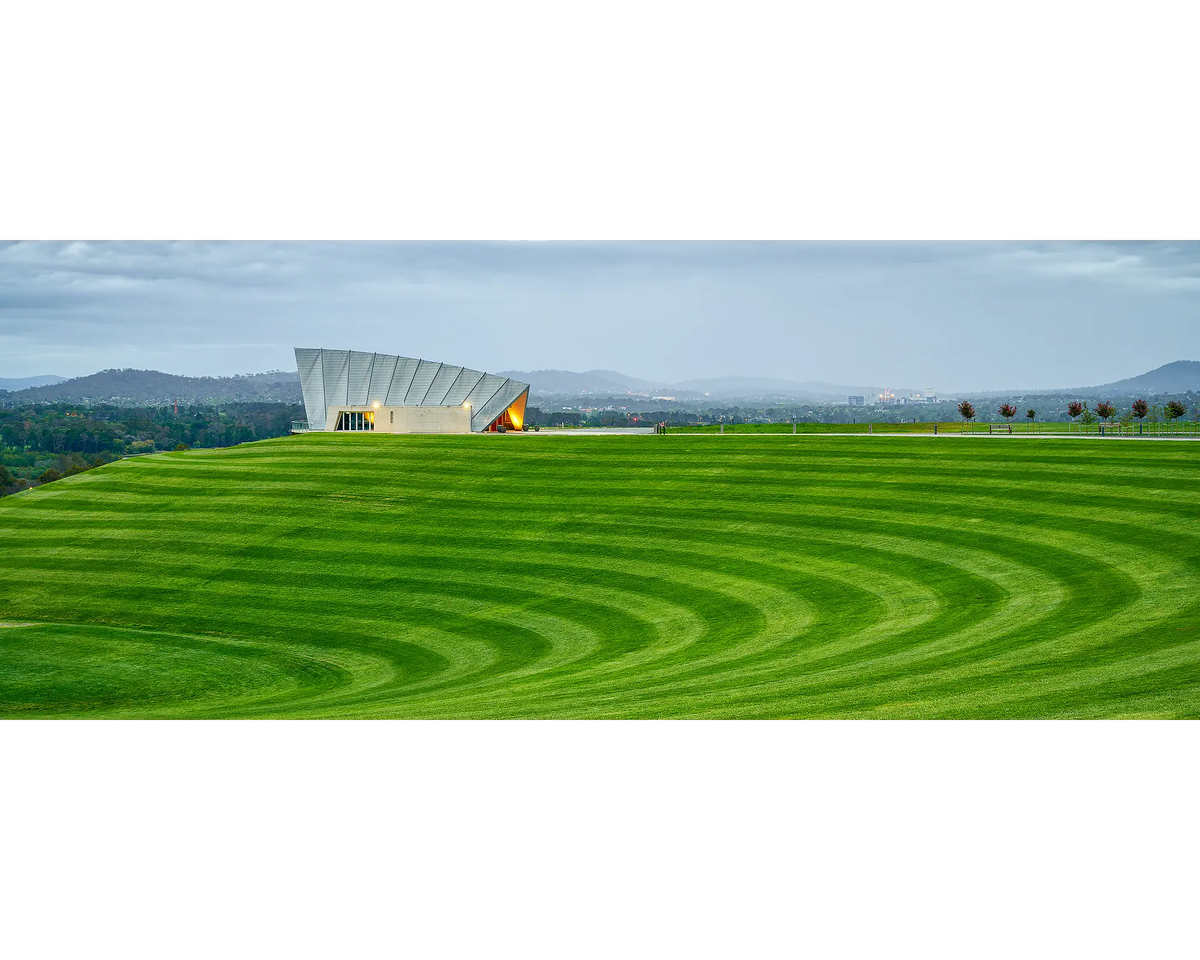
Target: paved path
{"type": "Point", "coordinates": [588, 432]}
{"type": "Point", "coordinates": [642, 431]}
{"type": "Point", "coordinates": [946, 434]}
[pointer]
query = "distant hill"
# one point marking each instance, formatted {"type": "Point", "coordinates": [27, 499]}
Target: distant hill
{"type": "Point", "coordinates": [575, 384]}
{"type": "Point", "coordinates": [739, 386]}
{"type": "Point", "coordinates": [1172, 378]}
{"type": "Point", "coordinates": [621, 380]}
{"type": "Point", "coordinates": [769, 387]}
{"type": "Point", "coordinates": [21, 383]}
{"type": "Point", "coordinates": [1177, 377]}
{"type": "Point", "coordinates": [610, 382]}
{"type": "Point", "coordinates": [152, 386]}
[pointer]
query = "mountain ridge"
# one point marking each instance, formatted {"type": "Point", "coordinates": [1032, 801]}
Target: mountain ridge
{"type": "Point", "coordinates": [24, 383]}
{"type": "Point", "coordinates": [1178, 376]}
{"type": "Point", "coordinates": [153, 386]}
{"type": "Point", "coordinates": [570, 383]}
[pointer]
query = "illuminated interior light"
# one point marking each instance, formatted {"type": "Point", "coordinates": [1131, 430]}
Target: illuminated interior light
{"type": "Point", "coordinates": [516, 413]}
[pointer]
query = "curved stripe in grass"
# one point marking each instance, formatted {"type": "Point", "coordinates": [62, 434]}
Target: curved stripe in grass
{"type": "Point", "coordinates": [642, 576]}
{"type": "Point", "coordinates": [127, 672]}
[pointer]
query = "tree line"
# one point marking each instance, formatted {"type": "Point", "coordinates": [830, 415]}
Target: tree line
{"type": "Point", "coordinates": [39, 441]}
{"type": "Point", "coordinates": [1079, 411]}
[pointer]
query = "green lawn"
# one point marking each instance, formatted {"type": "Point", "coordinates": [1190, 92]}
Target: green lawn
{"type": "Point", "coordinates": [1019, 425]}
{"type": "Point", "coordinates": [646, 576]}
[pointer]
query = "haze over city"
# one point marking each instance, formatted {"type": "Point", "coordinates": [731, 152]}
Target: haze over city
{"type": "Point", "coordinates": [956, 316]}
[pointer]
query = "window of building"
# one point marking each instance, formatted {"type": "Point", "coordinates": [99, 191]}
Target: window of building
{"type": "Point", "coordinates": [356, 420]}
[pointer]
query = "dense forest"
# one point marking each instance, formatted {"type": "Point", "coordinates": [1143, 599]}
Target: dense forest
{"type": "Point", "coordinates": [38, 442]}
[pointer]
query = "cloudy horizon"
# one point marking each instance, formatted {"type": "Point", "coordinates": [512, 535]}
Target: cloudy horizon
{"type": "Point", "coordinates": [954, 316]}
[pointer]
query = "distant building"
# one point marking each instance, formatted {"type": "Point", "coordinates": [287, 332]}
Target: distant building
{"type": "Point", "coordinates": [345, 390]}
{"type": "Point", "coordinates": [858, 401]}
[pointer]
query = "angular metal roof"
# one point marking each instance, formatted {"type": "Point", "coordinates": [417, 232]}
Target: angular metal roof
{"type": "Point", "coordinates": [355, 379]}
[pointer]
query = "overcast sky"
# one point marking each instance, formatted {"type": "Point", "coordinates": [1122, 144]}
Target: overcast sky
{"type": "Point", "coordinates": [954, 316]}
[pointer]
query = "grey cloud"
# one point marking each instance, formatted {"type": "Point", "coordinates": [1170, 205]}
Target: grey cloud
{"type": "Point", "coordinates": [952, 315]}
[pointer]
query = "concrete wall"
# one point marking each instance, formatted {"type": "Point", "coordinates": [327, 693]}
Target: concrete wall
{"type": "Point", "coordinates": [455, 419]}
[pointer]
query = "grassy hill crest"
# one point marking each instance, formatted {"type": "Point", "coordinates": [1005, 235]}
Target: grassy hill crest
{"type": "Point", "coordinates": [656, 576]}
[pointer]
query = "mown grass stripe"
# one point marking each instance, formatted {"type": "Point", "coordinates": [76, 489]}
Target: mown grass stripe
{"type": "Point", "coordinates": [640, 576]}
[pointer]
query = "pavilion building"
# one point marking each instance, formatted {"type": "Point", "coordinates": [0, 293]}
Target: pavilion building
{"type": "Point", "coordinates": [347, 390]}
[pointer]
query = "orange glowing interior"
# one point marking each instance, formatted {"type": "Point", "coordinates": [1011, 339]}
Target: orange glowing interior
{"type": "Point", "coordinates": [516, 413]}
{"type": "Point", "coordinates": [513, 418]}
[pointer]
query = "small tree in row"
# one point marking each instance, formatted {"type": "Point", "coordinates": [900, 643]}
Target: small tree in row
{"type": "Point", "coordinates": [1078, 410]}
{"type": "Point", "coordinates": [1172, 412]}
{"type": "Point", "coordinates": [1074, 409]}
